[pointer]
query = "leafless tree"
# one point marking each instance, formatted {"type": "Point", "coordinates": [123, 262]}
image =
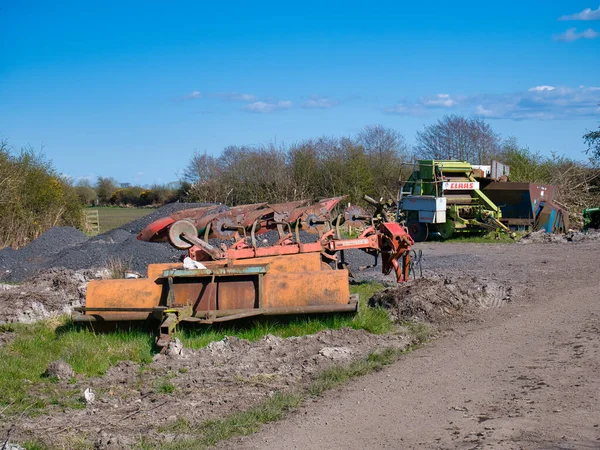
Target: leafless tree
{"type": "Point", "coordinates": [459, 138]}
{"type": "Point", "coordinates": [388, 155]}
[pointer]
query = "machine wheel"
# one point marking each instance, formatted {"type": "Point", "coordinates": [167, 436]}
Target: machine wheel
{"type": "Point", "coordinates": [446, 229]}
{"type": "Point", "coordinates": [177, 229]}
{"type": "Point", "coordinates": [417, 230]}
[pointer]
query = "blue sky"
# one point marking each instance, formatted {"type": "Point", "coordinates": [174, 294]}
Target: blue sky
{"type": "Point", "coordinates": [131, 89]}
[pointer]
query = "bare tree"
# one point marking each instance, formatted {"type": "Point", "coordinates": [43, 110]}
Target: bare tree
{"type": "Point", "coordinates": [387, 153]}
{"type": "Point", "coordinates": [460, 138]}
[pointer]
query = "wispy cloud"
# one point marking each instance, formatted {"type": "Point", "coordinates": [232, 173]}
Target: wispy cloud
{"type": "Point", "coordinates": [572, 35]}
{"type": "Point", "coordinates": [424, 105]}
{"type": "Point", "coordinates": [542, 102]}
{"type": "Point", "coordinates": [542, 88]}
{"type": "Point", "coordinates": [234, 96]}
{"type": "Point", "coordinates": [192, 95]}
{"type": "Point", "coordinates": [439, 101]}
{"type": "Point", "coordinates": [264, 107]}
{"type": "Point", "coordinates": [318, 102]}
{"type": "Point", "coordinates": [586, 14]}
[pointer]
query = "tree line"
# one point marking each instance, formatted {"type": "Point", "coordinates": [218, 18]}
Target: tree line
{"type": "Point", "coordinates": [106, 191]}
{"type": "Point", "coordinates": [376, 160]}
{"type": "Point", "coordinates": [35, 197]}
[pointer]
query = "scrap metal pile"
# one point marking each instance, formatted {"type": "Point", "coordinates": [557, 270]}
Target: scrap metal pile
{"type": "Point", "coordinates": [240, 278]}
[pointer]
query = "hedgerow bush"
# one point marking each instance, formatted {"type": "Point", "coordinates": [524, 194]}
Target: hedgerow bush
{"type": "Point", "coordinates": [33, 197]}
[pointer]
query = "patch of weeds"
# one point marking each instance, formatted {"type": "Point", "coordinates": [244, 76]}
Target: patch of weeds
{"type": "Point", "coordinates": [237, 424]}
{"type": "Point", "coordinates": [164, 386]}
{"type": "Point", "coordinates": [8, 328]}
{"type": "Point", "coordinates": [117, 267]}
{"type": "Point", "coordinates": [487, 238]}
{"type": "Point", "coordinates": [373, 320]}
{"type": "Point", "coordinates": [34, 445]}
{"type": "Point", "coordinates": [24, 360]}
{"type": "Point", "coordinates": [342, 373]}
{"type": "Point", "coordinates": [421, 332]}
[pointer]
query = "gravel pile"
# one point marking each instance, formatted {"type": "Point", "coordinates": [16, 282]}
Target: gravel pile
{"type": "Point", "coordinates": [16, 265]}
{"type": "Point", "coordinates": [69, 248]}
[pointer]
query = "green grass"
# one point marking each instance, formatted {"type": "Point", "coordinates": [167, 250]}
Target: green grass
{"type": "Point", "coordinates": [373, 320]}
{"type": "Point", "coordinates": [114, 217]}
{"type": "Point", "coordinates": [164, 386]}
{"type": "Point", "coordinates": [24, 360]}
{"type": "Point", "coordinates": [488, 238]}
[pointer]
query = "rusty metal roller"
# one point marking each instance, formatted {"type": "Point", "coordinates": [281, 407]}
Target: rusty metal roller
{"type": "Point", "coordinates": [355, 216]}
{"type": "Point", "coordinates": [177, 230]}
{"type": "Point", "coordinates": [224, 227]}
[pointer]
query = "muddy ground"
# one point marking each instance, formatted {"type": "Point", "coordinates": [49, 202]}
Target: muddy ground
{"type": "Point", "coordinates": [461, 294]}
{"type": "Point", "coordinates": [525, 376]}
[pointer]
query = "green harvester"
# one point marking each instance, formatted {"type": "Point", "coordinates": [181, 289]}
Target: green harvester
{"type": "Point", "coordinates": [445, 196]}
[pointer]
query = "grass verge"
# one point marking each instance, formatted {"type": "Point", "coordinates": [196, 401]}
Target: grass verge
{"type": "Point", "coordinates": [488, 238]}
{"type": "Point", "coordinates": [24, 360]}
{"type": "Point", "coordinates": [242, 423]}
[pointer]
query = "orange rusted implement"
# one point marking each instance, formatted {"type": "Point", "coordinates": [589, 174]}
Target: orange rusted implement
{"type": "Point", "coordinates": [226, 282]}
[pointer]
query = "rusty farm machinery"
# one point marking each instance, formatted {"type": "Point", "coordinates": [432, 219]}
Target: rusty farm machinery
{"type": "Point", "coordinates": [232, 273]}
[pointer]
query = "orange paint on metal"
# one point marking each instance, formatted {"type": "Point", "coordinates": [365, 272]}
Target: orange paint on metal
{"type": "Point", "coordinates": [322, 287]}
{"type": "Point", "coordinates": [140, 293]}
{"type": "Point", "coordinates": [201, 296]}
{"type": "Point", "coordinates": [156, 270]}
{"type": "Point", "coordinates": [237, 293]}
{"type": "Point", "coordinates": [302, 262]}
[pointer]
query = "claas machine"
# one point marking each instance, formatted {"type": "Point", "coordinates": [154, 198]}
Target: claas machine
{"type": "Point", "coordinates": [231, 272]}
{"type": "Point", "coordinates": [446, 197]}
{"type": "Point", "coordinates": [455, 197]}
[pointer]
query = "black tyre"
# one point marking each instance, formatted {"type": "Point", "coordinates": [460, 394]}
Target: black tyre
{"type": "Point", "coordinates": [417, 230]}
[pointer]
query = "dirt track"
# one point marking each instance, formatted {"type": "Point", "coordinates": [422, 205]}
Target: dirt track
{"type": "Point", "coordinates": [523, 376]}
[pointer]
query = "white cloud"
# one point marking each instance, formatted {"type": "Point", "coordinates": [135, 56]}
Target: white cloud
{"type": "Point", "coordinates": [320, 103]}
{"type": "Point", "coordinates": [439, 101]}
{"type": "Point", "coordinates": [264, 107]}
{"type": "Point", "coordinates": [542, 88]}
{"type": "Point", "coordinates": [586, 14]}
{"type": "Point", "coordinates": [481, 111]}
{"type": "Point", "coordinates": [193, 95]}
{"type": "Point", "coordinates": [572, 35]}
{"type": "Point", "coordinates": [542, 104]}
{"type": "Point", "coordinates": [539, 103]}
{"type": "Point", "coordinates": [423, 106]}
{"type": "Point", "coordinates": [235, 96]}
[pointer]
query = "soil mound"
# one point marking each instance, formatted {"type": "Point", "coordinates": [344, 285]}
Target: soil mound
{"type": "Point", "coordinates": [51, 293]}
{"type": "Point", "coordinates": [581, 236]}
{"type": "Point", "coordinates": [541, 237]}
{"type": "Point", "coordinates": [441, 299]}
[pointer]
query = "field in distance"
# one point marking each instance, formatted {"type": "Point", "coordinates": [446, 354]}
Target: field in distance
{"type": "Point", "coordinates": [114, 217]}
